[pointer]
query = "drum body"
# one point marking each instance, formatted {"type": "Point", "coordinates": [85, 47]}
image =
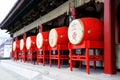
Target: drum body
{"type": "Point", "coordinates": [58, 36]}
{"type": "Point", "coordinates": [16, 45]}
{"type": "Point", "coordinates": [42, 39]}
{"type": "Point", "coordinates": [31, 42]}
{"type": "Point", "coordinates": [22, 44]}
{"type": "Point", "coordinates": [85, 29]}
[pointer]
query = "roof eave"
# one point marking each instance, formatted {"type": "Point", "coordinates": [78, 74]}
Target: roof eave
{"type": "Point", "coordinates": [17, 5]}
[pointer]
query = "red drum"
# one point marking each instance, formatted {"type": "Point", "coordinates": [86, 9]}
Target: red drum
{"type": "Point", "coordinates": [85, 29]}
{"type": "Point", "coordinates": [42, 39]}
{"type": "Point", "coordinates": [58, 36]}
{"type": "Point", "coordinates": [22, 44]}
{"type": "Point", "coordinates": [16, 45]}
{"type": "Point", "coordinates": [31, 42]}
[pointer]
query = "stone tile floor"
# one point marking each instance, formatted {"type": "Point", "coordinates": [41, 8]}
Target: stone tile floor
{"type": "Point", "coordinates": [28, 71]}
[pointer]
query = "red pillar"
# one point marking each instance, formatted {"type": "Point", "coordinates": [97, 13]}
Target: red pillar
{"type": "Point", "coordinates": [41, 28]}
{"type": "Point", "coordinates": [25, 35]}
{"type": "Point", "coordinates": [24, 54]}
{"type": "Point", "coordinates": [109, 37]}
{"type": "Point", "coordinates": [73, 13]}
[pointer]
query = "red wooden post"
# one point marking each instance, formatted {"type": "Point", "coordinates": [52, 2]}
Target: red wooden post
{"type": "Point", "coordinates": [44, 57]}
{"type": "Point", "coordinates": [16, 51]}
{"type": "Point", "coordinates": [70, 50]}
{"type": "Point", "coordinates": [41, 28]}
{"type": "Point", "coordinates": [109, 37]}
{"type": "Point", "coordinates": [59, 58]}
{"type": "Point", "coordinates": [50, 58]}
{"type": "Point", "coordinates": [94, 53]}
{"type": "Point", "coordinates": [73, 13]}
{"type": "Point", "coordinates": [80, 64]}
{"type": "Point", "coordinates": [25, 35]}
{"type": "Point", "coordinates": [87, 61]}
{"type": "Point", "coordinates": [62, 59]}
{"type": "Point", "coordinates": [24, 53]}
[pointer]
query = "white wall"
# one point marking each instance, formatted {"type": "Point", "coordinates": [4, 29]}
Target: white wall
{"type": "Point", "coordinates": [7, 50]}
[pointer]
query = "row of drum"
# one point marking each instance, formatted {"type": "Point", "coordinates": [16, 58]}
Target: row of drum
{"type": "Point", "coordinates": [79, 30]}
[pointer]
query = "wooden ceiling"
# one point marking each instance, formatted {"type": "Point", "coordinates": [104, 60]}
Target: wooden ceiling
{"type": "Point", "coordinates": [29, 11]}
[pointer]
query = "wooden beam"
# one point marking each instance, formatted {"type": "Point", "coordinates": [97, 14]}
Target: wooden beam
{"type": "Point", "coordinates": [51, 15]}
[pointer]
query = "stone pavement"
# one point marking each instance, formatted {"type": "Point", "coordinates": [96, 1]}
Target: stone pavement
{"type": "Point", "coordinates": [28, 71]}
{"type": "Point", "coordinates": [6, 74]}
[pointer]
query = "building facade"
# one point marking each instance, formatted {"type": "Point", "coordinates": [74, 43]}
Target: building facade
{"type": "Point", "coordinates": [29, 17]}
{"type": "Point", "coordinates": [6, 48]}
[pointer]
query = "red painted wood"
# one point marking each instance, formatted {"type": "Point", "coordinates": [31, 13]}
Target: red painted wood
{"type": "Point", "coordinates": [24, 46]}
{"type": "Point", "coordinates": [94, 61]}
{"type": "Point", "coordinates": [71, 62]}
{"type": "Point", "coordinates": [24, 56]}
{"type": "Point", "coordinates": [74, 13]}
{"type": "Point", "coordinates": [17, 45]}
{"type": "Point", "coordinates": [85, 29]}
{"type": "Point", "coordinates": [60, 56]}
{"type": "Point", "coordinates": [41, 28]}
{"type": "Point", "coordinates": [25, 35]}
{"type": "Point", "coordinates": [109, 37]}
{"type": "Point", "coordinates": [41, 58]}
{"type": "Point", "coordinates": [50, 58]}
{"type": "Point", "coordinates": [87, 61]}
{"type": "Point", "coordinates": [96, 27]}
{"type": "Point", "coordinates": [33, 43]}
{"type": "Point", "coordinates": [15, 55]}
{"type": "Point", "coordinates": [24, 50]}
{"type": "Point", "coordinates": [62, 35]}
{"type": "Point", "coordinates": [31, 56]}
{"type": "Point", "coordinates": [17, 49]}
{"type": "Point", "coordinates": [45, 37]}
{"type": "Point", "coordinates": [87, 44]}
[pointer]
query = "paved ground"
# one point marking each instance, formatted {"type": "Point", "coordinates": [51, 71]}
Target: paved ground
{"type": "Point", "coordinates": [10, 70]}
{"type": "Point", "coordinates": [6, 74]}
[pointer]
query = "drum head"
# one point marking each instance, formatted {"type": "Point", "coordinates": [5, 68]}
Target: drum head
{"type": "Point", "coordinates": [76, 31]}
{"type": "Point", "coordinates": [28, 43]}
{"type": "Point", "coordinates": [14, 45]}
{"type": "Point", "coordinates": [53, 37]}
{"type": "Point", "coordinates": [39, 40]}
{"type": "Point", "coordinates": [21, 44]}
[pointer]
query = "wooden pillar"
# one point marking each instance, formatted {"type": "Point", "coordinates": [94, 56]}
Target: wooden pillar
{"type": "Point", "coordinates": [24, 54]}
{"type": "Point", "coordinates": [109, 37]}
{"type": "Point", "coordinates": [41, 28]}
{"type": "Point", "coordinates": [25, 35]}
{"type": "Point", "coordinates": [73, 11]}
